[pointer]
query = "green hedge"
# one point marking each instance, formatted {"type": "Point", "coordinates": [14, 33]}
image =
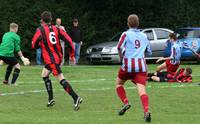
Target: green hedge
{"type": "Point", "coordinates": [100, 19]}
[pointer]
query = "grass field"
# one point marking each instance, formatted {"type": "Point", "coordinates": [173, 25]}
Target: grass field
{"type": "Point", "coordinates": [26, 103]}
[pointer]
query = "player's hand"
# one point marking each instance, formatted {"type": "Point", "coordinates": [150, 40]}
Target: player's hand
{"type": "Point", "coordinates": [25, 60]}
{"type": "Point", "coordinates": [179, 81]}
{"type": "Point", "coordinates": [73, 60]}
{"type": "Point", "coordinates": [1, 62]}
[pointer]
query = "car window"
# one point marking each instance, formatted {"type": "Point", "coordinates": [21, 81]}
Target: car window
{"type": "Point", "coordinates": [193, 34]}
{"type": "Point", "coordinates": [183, 33]}
{"type": "Point", "coordinates": [162, 34]}
{"type": "Point", "coordinates": [149, 34]}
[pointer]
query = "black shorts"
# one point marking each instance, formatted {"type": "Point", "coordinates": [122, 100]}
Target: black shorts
{"type": "Point", "coordinates": [54, 68]}
{"type": "Point", "coordinates": [162, 76]}
{"type": "Point", "coordinates": [9, 60]}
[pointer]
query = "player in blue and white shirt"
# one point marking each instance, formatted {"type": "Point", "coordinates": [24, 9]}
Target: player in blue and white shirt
{"type": "Point", "coordinates": [172, 63]}
{"type": "Point", "coordinates": [132, 47]}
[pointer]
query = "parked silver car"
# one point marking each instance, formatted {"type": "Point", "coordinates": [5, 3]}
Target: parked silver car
{"type": "Point", "coordinates": [107, 52]}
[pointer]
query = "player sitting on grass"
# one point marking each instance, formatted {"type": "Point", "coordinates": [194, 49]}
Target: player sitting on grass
{"type": "Point", "coordinates": [11, 44]}
{"type": "Point", "coordinates": [183, 75]}
{"type": "Point", "coordinates": [48, 38]}
{"type": "Point", "coordinates": [133, 66]}
{"type": "Point", "coordinates": [171, 63]}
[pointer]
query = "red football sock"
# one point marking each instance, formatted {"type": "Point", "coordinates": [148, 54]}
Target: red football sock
{"type": "Point", "coordinates": [122, 94]}
{"type": "Point", "coordinates": [145, 102]}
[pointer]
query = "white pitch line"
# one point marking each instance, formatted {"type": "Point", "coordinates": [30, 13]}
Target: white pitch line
{"type": "Point", "coordinates": [41, 82]}
{"type": "Point", "coordinates": [89, 80]}
{"type": "Point", "coordinates": [101, 89]}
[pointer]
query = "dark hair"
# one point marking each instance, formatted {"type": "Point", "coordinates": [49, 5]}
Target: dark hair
{"type": "Point", "coordinates": [173, 36]}
{"type": "Point", "coordinates": [189, 70]}
{"type": "Point", "coordinates": [46, 16]}
{"type": "Point", "coordinates": [75, 20]}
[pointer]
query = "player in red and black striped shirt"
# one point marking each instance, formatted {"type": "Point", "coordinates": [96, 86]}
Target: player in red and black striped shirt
{"type": "Point", "coordinates": [48, 38]}
{"type": "Point", "coordinates": [183, 75]}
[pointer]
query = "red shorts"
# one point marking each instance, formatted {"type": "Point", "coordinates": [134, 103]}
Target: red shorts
{"type": "Point", "coordinates": [54, 68]}
{"type": "Point", "coordinates": [170, 67]}
{"type": "Point", "coordinates": [135, 77]}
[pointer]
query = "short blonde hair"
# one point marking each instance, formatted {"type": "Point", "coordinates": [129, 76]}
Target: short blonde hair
{"type": "Point", "coordinates": [13, 25]}
{"type": "Point", "coordinates": [133, 21]}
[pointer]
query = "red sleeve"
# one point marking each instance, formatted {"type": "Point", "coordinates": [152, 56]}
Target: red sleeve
{"type": "Point", "coordinates": [67, 38]}
{"type": "Point", "coordinates": [180, 74]}
{"type": "Point", "coordinates": [36, 39]}
{"type": "Point", "coordinates": [121, 41]}
{"type": "Point", "coordinates": [189, 79]}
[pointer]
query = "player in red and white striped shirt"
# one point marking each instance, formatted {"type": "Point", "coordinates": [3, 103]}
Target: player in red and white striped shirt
{"type": "Point", "coordinates": [48, 38]}
{"type": "Point", "coordinates": [132, 46]}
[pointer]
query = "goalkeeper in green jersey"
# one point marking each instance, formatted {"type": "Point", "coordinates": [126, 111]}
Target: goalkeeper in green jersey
{"type": "Point", "coordinates": [11, 44]}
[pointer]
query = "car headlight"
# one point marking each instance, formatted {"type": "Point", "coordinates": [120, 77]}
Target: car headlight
{"type": "Point", "coordinates": [114, 50]}
{"type": "Point", "coordinates": [111, 50]}
{"type": "Point", "coordinates": [106, 50]}
{"type": "Point", "coordinates": [89, 51]}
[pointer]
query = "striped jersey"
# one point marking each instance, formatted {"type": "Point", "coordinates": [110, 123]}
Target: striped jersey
{"type": "Point", "coordinates": [48, 38]}
{"type": "Point", "coordinates": [176, 53]}
{"type": "Point", "coordinates": [133, 44]}
{"type": "Point", "coordinates": [182, 77]}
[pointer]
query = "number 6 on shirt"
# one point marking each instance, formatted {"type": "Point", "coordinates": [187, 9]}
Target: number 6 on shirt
{"type": "Point", "coordinates": [52, 38]}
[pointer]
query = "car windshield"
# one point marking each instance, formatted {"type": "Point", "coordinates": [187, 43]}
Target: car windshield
{"type": "Point", "coordinates": [116, 37]}
{"type": "Point", "coordinates": [186, 33]}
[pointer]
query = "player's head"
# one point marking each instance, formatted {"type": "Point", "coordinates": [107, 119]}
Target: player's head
{"type": "Point", "coordinates": [172, 37]}
{"type": "Point", "coordinates": [46, 17]}
{"type": "Point", "coordinates": [188, 71]}
{"type": "Point", "coordinates": [75, 22]}
{"type": "Point", "coordinates": [14, 27]}
{"type": "Point", "coordinates": [58, 21]}
{"type": "Point", "coordinates": [133, 21]}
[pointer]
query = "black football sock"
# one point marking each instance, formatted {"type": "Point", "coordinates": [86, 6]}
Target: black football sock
{"type": "Point", "coordinates": [69, 89]}
{"type": "Point", "coordinates": [150, 74]}
{"type": "Point", "coordinates": [48, 86]}
{"type": "Point", "coordinates": [8, 72]}
{"type": "Point", "coordinates": [15, 75]}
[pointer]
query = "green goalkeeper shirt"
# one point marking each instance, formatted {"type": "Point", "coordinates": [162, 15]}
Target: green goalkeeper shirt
{"type": "Point", "coordinates": [10, 44]}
